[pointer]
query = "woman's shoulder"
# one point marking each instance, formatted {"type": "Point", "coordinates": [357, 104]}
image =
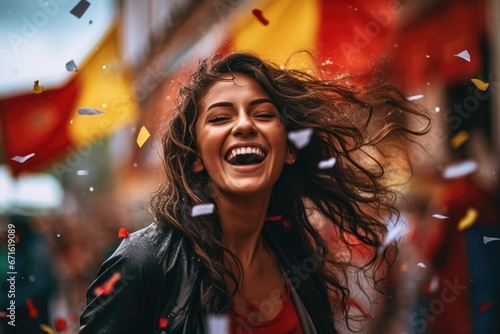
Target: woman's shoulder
{"type": "Point", "coordinates": [154, 239]}
{"type": "Point", "coordinates": [153, 249]}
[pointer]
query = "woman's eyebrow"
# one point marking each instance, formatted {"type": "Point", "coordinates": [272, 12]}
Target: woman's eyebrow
{"type": "Point", "coordinates": [229, 104]}
{"type": "Point", "coordinates": [220, 104]}
{"type": "Point", "coordinates": [259, 101]}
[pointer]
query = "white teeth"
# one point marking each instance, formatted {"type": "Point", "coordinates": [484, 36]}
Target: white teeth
{"type": "Point", "coordinates": [245, 150]}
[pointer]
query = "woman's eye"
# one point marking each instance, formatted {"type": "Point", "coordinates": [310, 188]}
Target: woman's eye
{"type": "Point", "coordinates": [218, 118]}
{"type": "Point", "coordinates": [266, 115]}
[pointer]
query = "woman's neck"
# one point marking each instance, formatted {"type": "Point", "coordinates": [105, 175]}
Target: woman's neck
{"type": "Point", "coordinates": [241, 221]}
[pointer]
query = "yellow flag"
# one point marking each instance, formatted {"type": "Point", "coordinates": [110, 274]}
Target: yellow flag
{"type": "Point", "coordinates": [107, 87]}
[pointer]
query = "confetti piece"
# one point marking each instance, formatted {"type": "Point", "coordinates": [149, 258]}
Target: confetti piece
{"type": "Point", "coordinates": [464, 55]}
{"type": "Point", "coordinates": [485, 306]}
{"type": "Point", "coordinates": [258, 14]}
{"type": "Point", "coordinates": [37, 88]}
{"type": "Point", "coordinates": [324, 164]}
{"type": "Point", "coordinates": [434, 284]}
{"type": "Point", "coordinates": [202, 209]}
{"type": "Point", "coordinates": [3, 314]}
{"type": "Point", "coordinates": [287, 224]}
{"type": "Point", "coordinates": [395, 233]}
{"type": "Point", "coordinates": [74, 317]}
{"type": "Point", "coordinates": [123, 233]}
{"type": "Point", "coordinates": [440, 216]}
{"type": "Point", "coordinates": [80, 8]}
{"type": "Point", "coordinates": [300, 138]}
{"type": "Point", "coordinates": [71, 66]}
{"type": "Point", "coordinates": [23, 159]}
{"type": "Point", "coordinates": [421, 265]}
{"type": "Point", "coordinates": [33, 312]}
{"type": "Point", "coordinates": [460, 169]}
{"type": "Point", "coordinates": [81, 172]}
{"type": "Point", "coordinates": [415, 97]}
{"type": "Point", "coordinates": [60, 324]}
{"type": "Point", "coordinates": [143, 136]}
{"type": "Point", "coordinates": [481, 85]}
{"type": "Point", "coordinates": [489, 239]}
{"type": "Point", "coordinates": [457, 140]}
{"type": "Point", "coordinates": [163, 322]}
{"type": "Point", "coordinates": [107, 287]}
{"type": "Point", "coordinates": [47, 329]}
{"type": "Point", "coordinates": [468, 220]}
{"type": "Point", "coordinates": [217, 324]}
{"type": "Point", "coordinates": [89, 111]}
{"type": "Point", "coordinates": [253, 307]}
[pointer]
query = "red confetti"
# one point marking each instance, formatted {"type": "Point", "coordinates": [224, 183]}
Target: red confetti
{"type": "Point", "coordinates": [485, 306]}
{"type": "Point", "coordinates": [3, 314]}
{"type": "Point", "coordinates": [163, 322]}
{"type": "Point", "coordinates": [74, 317]}
{"type": "Point", "coordinates": [123, 233]}
{"type": "Point", "coordinates": [33, 312]}
{"type": "Point", "coordinates": [273, 218]}
{"type": "Point", "coordinates": [60, 324]}
{"type": "Point", "coordinates": [287, 224]}
{"type": "Point", "coordinates": [258, 14]}
{"type": "Point", "coordinates": [107, 287]}
{"type": "Point", "coordinates": [253, 307]}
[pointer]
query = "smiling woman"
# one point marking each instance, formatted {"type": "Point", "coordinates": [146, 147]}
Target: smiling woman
{"type": "Point", "coordinates": [259, 259]}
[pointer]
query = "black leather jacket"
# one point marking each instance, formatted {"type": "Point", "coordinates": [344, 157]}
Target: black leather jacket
{"type": "Point", "coordinates": [161, 277]}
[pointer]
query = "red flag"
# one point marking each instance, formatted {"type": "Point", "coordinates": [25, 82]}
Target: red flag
{"type": "Point", "coordinates": [37, 123]}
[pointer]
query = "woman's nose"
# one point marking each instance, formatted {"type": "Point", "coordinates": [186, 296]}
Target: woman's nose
{"type": "Point", "coordinates": [244, 125]}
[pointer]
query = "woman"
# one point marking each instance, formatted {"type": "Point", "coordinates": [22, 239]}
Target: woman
{"type": "Point", "coordinates": [259, 258]}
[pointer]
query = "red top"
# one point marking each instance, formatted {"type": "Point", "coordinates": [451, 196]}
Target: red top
{"type": "Point", "coordinates": [286, 322]}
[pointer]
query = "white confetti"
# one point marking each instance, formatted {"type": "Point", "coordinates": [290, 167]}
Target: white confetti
{"type": "Point", "coordinates": [71, 66]}
{"type": "Point", "coordinates": [91, 189]}
{"type": "Point", "coordinates": [440, 216]}
{"type": "Point", "coordinates": [82, 172]}
{"type": "Point", "coordinates": [89, 111]}
{"type": "Point", "coordinates": [415, 97]}
{"type": "Point", "coordinates": [300, 138]}
{"type": "Point", "coordinates": [489, 239]}
{"type": "Point", "coordinates": [329, 163]}
{"type": "Point", "coordinates": [437, 109]}
{"type": "Point", "coordinates": [202, 209]}
{"type": "Point", "coordinates": [217, 324]}
{"type": "Point", "coordinates": [459, 169]}
{"type": "Point", "coordinates": [434, 284]}
{"type": "Point", "coordinates": [421, 265]}
{"type": "Point", "coordinates": [464, 55]}
{"type": "Point", "coordinates": [23, 159]}
{"type": "Point", "coordinates": [396, 231]}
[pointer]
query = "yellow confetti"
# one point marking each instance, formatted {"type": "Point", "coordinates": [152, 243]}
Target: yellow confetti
{"type": "Point", "coordinates": [457, 140]}
{"type": "Point", "coordinates": [468, 220]}
{"type": "Point", "coordinates": [480, 84]}
{"type": "Point", "coordinates": [47, 329]}
{"type": "Point", "coordinates": [143, 136]}
{"type": "Point", "coordinates": [37, 88]}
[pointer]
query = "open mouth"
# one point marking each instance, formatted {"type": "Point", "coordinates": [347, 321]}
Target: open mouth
{"type": "Point", "coordinates": [245, 156]}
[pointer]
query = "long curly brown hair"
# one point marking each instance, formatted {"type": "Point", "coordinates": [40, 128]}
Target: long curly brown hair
{"type": "Point", "coordinates": [366, 128]}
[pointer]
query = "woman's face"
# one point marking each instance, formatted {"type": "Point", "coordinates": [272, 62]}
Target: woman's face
{"type": "Point", "coordinates": [240, 137]}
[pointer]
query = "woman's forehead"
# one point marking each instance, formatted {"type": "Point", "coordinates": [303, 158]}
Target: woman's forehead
{"type": "Point", "coordinates": [236, 85]}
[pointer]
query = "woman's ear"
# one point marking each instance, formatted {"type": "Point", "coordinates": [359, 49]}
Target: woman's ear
{"type": "Point", "coordinates": [198, 166]}
{"type": "Point", "coordinates": [291, 154]}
